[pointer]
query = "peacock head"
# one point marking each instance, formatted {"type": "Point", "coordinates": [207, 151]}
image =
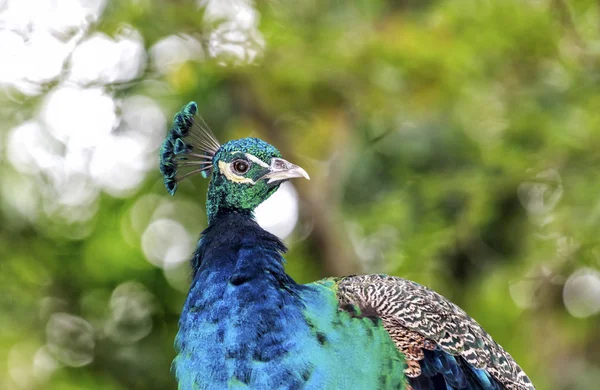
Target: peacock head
{"type": "Point", "coordinates": [243, 173]}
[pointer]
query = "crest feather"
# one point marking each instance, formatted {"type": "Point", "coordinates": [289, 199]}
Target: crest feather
{"type": "Point", "coordinates": [188, 149]}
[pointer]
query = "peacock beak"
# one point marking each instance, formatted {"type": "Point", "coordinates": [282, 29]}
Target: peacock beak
{"type": "Point", "coordinates": [281, 169]}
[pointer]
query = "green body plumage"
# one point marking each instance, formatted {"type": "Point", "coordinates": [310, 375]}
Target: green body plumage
{"type": "Point", "coordinates": [340, 335]}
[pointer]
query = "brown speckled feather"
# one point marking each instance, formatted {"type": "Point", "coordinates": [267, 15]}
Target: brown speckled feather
{"type": "Point", "coordinates": [418, 318]}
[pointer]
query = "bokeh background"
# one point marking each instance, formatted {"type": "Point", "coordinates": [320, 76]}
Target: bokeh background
{"type": "Point", "coordinates": [455, 143]}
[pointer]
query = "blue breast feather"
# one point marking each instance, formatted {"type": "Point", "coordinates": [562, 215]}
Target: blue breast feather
{"type": "Point", "coordinates": [247, 324]}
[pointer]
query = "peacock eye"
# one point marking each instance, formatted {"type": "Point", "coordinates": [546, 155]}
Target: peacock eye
{"type": "Point", "coordinates": [240, 166]}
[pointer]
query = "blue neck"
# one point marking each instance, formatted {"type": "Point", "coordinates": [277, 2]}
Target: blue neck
{"type": "Point", "coordinates": [236, 248]}
{"type": "Point", "coordinates": [239, 290]}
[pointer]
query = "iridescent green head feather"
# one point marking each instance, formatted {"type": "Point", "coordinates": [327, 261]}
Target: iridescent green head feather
{"type": "Point", "coordinates": [243, 172]}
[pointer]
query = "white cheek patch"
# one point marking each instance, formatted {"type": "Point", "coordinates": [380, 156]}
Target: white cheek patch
{"type": "Point", "coordinates": [225, 170]}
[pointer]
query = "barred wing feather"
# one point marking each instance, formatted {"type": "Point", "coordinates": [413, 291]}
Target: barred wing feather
{"type": "Point", "coordinates": [438, 339]}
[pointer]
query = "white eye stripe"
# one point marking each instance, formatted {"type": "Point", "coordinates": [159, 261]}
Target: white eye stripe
{"type": "Point", "coordinates": [256, 160]}
{"type": "Point", "coordinates": [252, 158]}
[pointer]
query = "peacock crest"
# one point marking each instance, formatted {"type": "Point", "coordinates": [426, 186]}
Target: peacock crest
{"type": "Point", "coordinates": [188, 149]}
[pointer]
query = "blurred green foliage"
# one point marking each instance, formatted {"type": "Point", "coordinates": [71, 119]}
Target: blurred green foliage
{"type": "Point", "coordinates": [455, 143]}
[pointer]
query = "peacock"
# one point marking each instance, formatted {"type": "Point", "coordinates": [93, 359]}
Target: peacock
{"type": "Point", "coordinates": [247, 324]}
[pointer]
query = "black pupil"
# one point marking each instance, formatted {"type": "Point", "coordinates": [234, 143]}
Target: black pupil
{"type": "Point", "coordinates": [240, 166]}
